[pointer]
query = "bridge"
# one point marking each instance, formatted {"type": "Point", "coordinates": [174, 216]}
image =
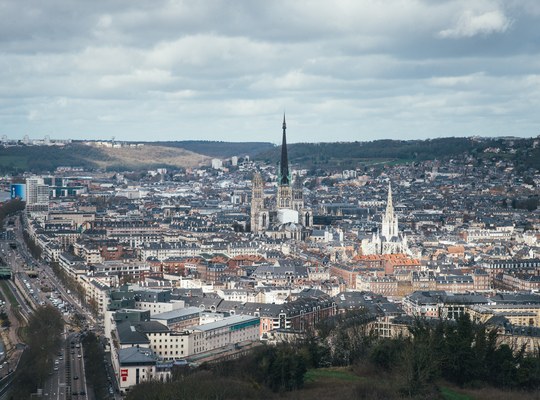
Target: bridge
{"type": "Point", "coordinates": [5, 272]}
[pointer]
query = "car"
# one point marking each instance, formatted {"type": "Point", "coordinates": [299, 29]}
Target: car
{"type": "Point", "coordinates": [79, 356]}
{"type": "Point", "coordinates": [75, 378]}
{"type": "Point", "coordinates": [82, 393]}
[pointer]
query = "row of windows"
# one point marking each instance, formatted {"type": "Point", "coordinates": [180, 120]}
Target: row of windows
{"type": "Point", "coordinates": [176, 346]}
{"type": "Point", "coordinates": [164, 353]}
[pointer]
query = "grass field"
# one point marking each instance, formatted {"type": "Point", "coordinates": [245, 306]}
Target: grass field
{"type": "Point", "coordinates": [449, 394]}
{"type": "Point", "coordinates": [9, 294]}
{"type": "Point", "coordinates": [364, 383]}
{"type": "Point", "coordinates": [315, 375]}
{"type": "Point", "coordinates": [151, 155]}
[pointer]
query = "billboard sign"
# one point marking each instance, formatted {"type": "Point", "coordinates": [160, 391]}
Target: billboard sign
{"type": "Point", "coordinates": [18, 190]}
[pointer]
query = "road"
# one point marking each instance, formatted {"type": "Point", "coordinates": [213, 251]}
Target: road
{"type": "Point", "coordinates": [67, 376]}
{"type": "Point", "coordinates": [68, 379]}
{"type": "Point", "coordinates": [15, 306]}
{"type": "Point", "coordinates": [48, 275]}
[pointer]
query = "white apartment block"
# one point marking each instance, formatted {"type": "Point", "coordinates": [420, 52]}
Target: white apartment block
{"type": "Point", "coordinates": [229, 331]}
{"type": "Point", "coordinates": [159, 307]}
{"type": "Point", "coordinates": [171, 345]}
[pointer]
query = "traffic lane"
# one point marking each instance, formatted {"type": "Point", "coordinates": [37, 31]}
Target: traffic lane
{"type": "Point", "coordinates": [52, 277]}
{"type": "Point", "coordinates": [78, 377]}
{"type": "Point", "coordinates": [77, 369]}
{"type": "Point", "coordinates": [64, 293]}
{"type": "Point", "coordinates": [55, 387]}
{"type": "Point", "coordinates": [82, 375]}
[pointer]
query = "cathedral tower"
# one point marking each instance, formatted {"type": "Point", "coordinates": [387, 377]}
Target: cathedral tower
{"type": "Point", "coordinates": [289, 218]}
{"type": "Point", "coordinates": [259, 216]}
{"type": "Point", "coordinates": [298, 194]}
{"type": "Point", "coordinates": [390, 220]}
{"type": "Point", "coordinates": [390, 241]}
{"type": "Point", "coordinates": [284, 192]}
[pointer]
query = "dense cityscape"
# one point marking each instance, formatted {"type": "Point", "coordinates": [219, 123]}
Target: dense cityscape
{"type": "Point", "coordinates": [278, 200]}
{"type": "Point", "coordinates": [167, 269]}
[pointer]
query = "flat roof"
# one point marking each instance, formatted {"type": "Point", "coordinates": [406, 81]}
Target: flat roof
{"type": "Point", "coordinates": [229, 321]}
{"type": "Point", "coordinates": [181, 312]}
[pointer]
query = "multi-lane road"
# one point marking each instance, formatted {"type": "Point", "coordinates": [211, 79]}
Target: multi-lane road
{"type": "Point", "coordinates": [67, 376]}
{"type": "Point", "coordinates": [67, 379]}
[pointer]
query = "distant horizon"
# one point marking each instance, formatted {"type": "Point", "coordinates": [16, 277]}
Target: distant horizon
{"type": "Point", "coordinates": [276, 143]}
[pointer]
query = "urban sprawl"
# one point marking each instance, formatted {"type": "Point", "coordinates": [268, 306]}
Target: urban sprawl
{"type": "Point", "coordinates": [180, 267]}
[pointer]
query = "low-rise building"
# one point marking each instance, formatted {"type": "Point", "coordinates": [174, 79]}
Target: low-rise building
{"type": "Point", "coordinates": [180, 319]}
{"type": "Point", "coordinates": [135, 365]}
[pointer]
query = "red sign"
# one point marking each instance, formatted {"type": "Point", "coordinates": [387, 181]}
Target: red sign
{"type": "Point", "coordinates": [124, 373]}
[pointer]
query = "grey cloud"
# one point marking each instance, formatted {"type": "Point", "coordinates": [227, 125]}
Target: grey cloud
{"type": "Point", "coordinates": [223, 70]}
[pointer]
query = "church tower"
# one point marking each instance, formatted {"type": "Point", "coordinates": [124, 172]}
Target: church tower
{"type": "Point", "coordinates": [284, 192]}
{"type": "Point", "coordinates": [289, 218]}
{"type": "Point", "coordinates": [259, 216]}
{"type": "Point", "coordinates": [390, 220]}
{"type": "Point", "coordinates": [390, 241]}
{"type": "Point", "coordinates": [298, 195]}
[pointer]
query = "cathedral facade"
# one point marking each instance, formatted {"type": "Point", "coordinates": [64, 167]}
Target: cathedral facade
{"type": "Point", "coordinates": [389, 240]}
{"type": "Point", "coordinates": [285, 216]}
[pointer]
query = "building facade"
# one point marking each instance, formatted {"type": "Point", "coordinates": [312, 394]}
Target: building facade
{"type": "Point", "coordinates": [288, 216]}
{"type": "Point", "coordinates": [389, 240]}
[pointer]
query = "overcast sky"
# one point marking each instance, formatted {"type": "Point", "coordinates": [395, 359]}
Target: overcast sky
{"type": "Point", "coordinates": [226, 70]}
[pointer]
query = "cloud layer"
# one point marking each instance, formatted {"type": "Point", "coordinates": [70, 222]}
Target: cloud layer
{"type": "Point", "coordinates": [220, 70]}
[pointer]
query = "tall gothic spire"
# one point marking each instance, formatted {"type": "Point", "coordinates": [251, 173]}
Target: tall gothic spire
{"type": "Point", "coordinates": [284, 178]}
{"type": "Point", "coordinates": [389, 220]}
{"type": "Point", "coordinates": [389, 205]}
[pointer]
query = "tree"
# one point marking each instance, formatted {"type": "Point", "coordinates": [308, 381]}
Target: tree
{"type": "Point", "coordinates": [6, 323]}
{"type": "Point", "coordinates": [43, 339]}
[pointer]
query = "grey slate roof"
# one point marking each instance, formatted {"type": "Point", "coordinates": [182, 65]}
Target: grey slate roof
{"type": "Point", "coordinates": [150, 327]}
{"type": "Point", "coordinates": [516, 298]}
{"type": "Point", "coordinates": [127, 334]}
{"type": "Point", "coordinates": [176, 314]}
{"type": "Point", "coordinates": [136, 356]}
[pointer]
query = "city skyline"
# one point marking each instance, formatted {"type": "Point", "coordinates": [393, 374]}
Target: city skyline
{"type": "Point", "coordinates": [343, 71]}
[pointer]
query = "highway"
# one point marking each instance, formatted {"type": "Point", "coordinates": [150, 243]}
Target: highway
{"type": "Point", "coordinates": [67, 380]}
{"type": "Point", "coordinates": [21, 261]}
{"type": "Point", "coordinates": [67, 377]}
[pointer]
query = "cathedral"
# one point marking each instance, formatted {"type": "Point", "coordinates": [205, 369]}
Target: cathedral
{"type": "Point", "coordinates": [286, 216]}
{"type": "Point", "coordinates": [389, 240]}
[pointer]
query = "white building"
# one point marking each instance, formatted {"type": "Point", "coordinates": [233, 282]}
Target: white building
{"type": "Point", "coordinates": [135, 365]}
{"type": "Point", "coordinates": [217, 163]}
{"type": "Point", "coordinates": [159, 307]}
{"type": "Point", "coordinates": [389, 240]}
{"type": "Point", "coordinates": [37, 195]}
{"type": "Point", "coordinates": [96, 292]}
{"type": "Point", "coordinates": [238, 329]}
